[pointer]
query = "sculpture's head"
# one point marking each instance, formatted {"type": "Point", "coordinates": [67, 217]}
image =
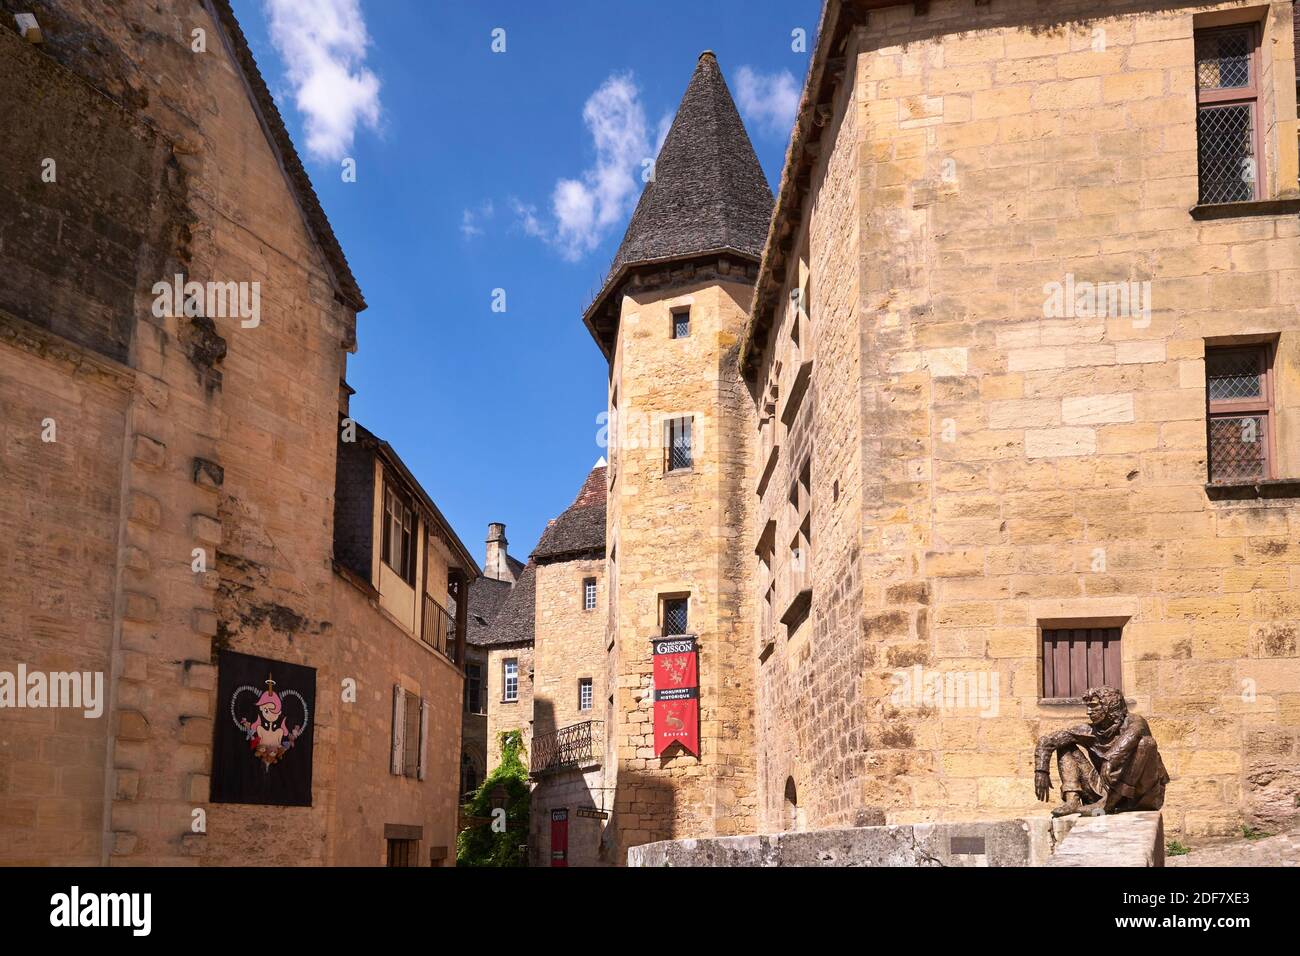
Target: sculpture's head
{"type": "Point", "coordinates": [1105, 705]}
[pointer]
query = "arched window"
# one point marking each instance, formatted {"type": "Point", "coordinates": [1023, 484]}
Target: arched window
{"type": "Point", "coordinates": [790, 812]}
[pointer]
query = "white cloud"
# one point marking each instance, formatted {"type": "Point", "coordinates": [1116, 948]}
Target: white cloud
{"type": "Point", "coordinates": [471, 220]}
{"type": "Point", "coordinates": [768, 101]}
{"type": "Point", "coordinates": [585, 208]}
{"type": "Point", "coordinates": [323, 44]}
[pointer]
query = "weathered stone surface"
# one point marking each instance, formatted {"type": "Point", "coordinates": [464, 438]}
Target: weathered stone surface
{"type": "Point", "coordinates": [1121, 839]}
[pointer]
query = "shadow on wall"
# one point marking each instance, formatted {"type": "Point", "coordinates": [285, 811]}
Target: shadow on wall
{"type": "Point", "coordinates": [644, 807]}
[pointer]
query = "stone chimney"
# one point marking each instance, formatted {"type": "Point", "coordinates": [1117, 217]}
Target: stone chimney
{"type": "Point", "coordinates": [496, 566]}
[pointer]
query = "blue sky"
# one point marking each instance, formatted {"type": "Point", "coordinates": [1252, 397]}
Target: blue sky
{"type": "Point", "coordinates": [517, 170]}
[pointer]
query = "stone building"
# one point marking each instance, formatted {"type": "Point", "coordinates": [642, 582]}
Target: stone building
{"type": "Point", "coordinates": [169, 509]}
{"type": "Point", "coordinates": [546, 677]}
{"type": "Point", "coordinates": [1026, 318]}
{"type": "Point", "coordinates": [569, 684]}
{"type": "Point", "coordinates": [1009, 407]}
{"type": "Point", "coordinates": [681, 473]}
{"type": "Point", "coordinates": [487, 595]}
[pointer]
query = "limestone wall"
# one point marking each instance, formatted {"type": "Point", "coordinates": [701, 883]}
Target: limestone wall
{"type": "Point", "coordinates": [223, 441]}
{"type": "Point", "coordinates": [1018, 468]}
{"type": "Point", "coordinates": [506, 715]}
{"type": "Point", "coordinates": [680, 534]}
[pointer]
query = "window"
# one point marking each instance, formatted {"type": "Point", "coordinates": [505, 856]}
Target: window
{"type": "Point", "coordinates": [473, 688]}
{"type": "Point", "coordinates": [410, 730]}
{"type": "Point", "coordinates": [584, 693]}
{"type": "Point", "coordinates": [398, 550]}
{"type": "Point", "coordinates": [1077, 658]}
{"type": "Point", "coordinates": [675, 617]}
{"type": "Point", "coordinates": [1227, 114]}
{"type": "Point", "coordinates": [589, 594]}
{"type": "Point", "coordinates": [677, 444]}
{"type": "Point", "coordinates": [681, 319]}
{"type": "Point", "coordinates": [403, 852]}
{"type": "Point", "coordinates": [468, 774]}
{"type": "Point", "coordinates": [510, 671]}
{"type": "Point", "coordinates": [801, 515]}
{"type": "Point", "coordinates": [1238, 394]}
{"type": "Point", "coordinates": [411, 738]}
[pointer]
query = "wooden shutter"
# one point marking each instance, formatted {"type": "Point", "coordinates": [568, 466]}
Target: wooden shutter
{"type": "Point", "coordinates": [422, 763]}
{"type": "Point", "coordinates": [411, 735]}
{"type": "Point", "coordinates": [399, 727]}
{"type": "Point", "coordinates": [1075, 659]}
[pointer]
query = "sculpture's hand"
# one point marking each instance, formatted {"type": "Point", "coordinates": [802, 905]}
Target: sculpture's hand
{"type": "Point", "coordinates": [1042, 785]}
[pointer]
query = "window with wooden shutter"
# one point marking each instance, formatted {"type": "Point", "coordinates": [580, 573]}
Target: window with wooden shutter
{"type": "Point", "coordinates": [411, 735]}
{"type": "Point", "coordinates": [1075, 659]}
{"type": "Point", "coordinates": [422, 762]}
{"type": "Point", "coordinates": [403, 853]}
{"type": "Point", "coordinates": [399, 728]}
{"type": "Point", "coordinates": [1239, 411]}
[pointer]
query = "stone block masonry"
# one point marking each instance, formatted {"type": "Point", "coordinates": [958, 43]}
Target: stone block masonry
{"type": "Point", "coordinates": [986, 466]}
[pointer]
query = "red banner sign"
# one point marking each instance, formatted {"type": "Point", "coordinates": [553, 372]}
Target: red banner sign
{"type": "Point", "coordinates": [677, 694]}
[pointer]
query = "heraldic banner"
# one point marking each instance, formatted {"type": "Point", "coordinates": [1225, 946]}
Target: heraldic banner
{"type": "Point", "coordinates": [262, 742]}
{"type": "Point", "coordinates": [677, 694]}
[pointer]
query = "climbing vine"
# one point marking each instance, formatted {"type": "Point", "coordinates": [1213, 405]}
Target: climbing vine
{"type": "Point", "coordinates": [488, 843]}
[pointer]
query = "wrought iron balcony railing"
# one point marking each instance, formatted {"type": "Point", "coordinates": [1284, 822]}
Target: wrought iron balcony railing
{"type": "Point", "coordinates": [574, 746]}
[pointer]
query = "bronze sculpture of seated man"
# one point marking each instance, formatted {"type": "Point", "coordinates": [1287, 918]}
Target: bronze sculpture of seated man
{"type": "Point", "coordinates": [1109, 765]}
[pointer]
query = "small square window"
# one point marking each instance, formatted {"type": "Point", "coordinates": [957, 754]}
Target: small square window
{"type": "Point", "coordinates": [584, 693]}
{"type": "Point", "coordinates": [675, 616]}
{"type": "Point", "coordinates": [589, 594]}
{"type": "Point", "coordinates": [1078, 658]}
{"type": "Point", "coordinates": [681, 323]}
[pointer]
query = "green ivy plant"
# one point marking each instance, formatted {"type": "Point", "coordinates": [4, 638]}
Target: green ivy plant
{"type": "Point", "coordinates": [481, 845]}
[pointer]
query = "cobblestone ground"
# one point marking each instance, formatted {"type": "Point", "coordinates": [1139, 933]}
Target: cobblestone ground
{"type": "Point", "coordinates": [1280, 850]}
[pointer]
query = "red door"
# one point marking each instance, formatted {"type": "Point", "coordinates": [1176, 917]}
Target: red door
{"type": "Point", "coordinates": [559, 838]}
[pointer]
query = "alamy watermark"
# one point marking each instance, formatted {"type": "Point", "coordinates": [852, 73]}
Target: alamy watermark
{"type": "Point", "coordinates": [79, 690]}
{"type": "Point", "coordinates": [215, 300]}
{"type": "Point", "coordinates": [947, 690]}
{"type": "Point", "coordinates": [1073, 299]}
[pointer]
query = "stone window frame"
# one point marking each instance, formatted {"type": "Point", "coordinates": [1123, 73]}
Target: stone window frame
{"type": "Point", "coordinates": [1250, 95]}
{"type": "Point", "coordinates": [798, 556]}
{"type": "Point", "coordinates": [679, 322]}
{"type": "Point", "coordinates": [589, 593]}
{"type": "Point", "coordinates": [1104, 628]}
{"type": "Point", "coordinates": [507, 677]}
{"type": "Point", "coordinates": [587, 685]}
{"type": "Point", "coordinates": [674, 426]}
{"type": "Point", "coordinates": [674, 597]}
{"type": "Point", "coordinates": [1263, 407]}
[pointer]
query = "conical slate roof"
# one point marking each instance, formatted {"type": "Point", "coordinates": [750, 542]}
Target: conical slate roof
{"type": "Point", "coordinates": [709, 191]}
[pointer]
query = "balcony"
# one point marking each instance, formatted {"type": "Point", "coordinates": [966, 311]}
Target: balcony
{"type": "Point", "coordinates": [439, 628]}
{"type": "Point", "coordinates": [578, 745]}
